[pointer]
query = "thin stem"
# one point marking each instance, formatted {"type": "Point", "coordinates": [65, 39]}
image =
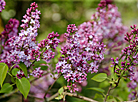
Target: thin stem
{"type": "Point", "coordinates": [10, 74]}
{"type": "Point", "coordinates": [9, 94]}
{"type": "Point", "coordinates": [72, 95]}
{"type": "Point", "coordinates": [50, 88]}
{"type": "Point", "coordinates": [110, 88]}
{"type": "Point", "coordinates": [12, 67]}
{"type": "Point", "coordinates": [80, 97]}
{"type": "Point", "coordinates": [108, 92]}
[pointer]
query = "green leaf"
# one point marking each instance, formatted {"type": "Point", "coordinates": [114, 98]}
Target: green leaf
{"type": "Point", "coordinates": [14, 71]}
{"type": "Point", "coordinates": [6, 88]}
{"type": "Point", "coordinates": [59, 97]}
{"type": "Point", "coordinates": [99, 77]}
{"type": "Point", "coordinates": [60, 91]}
{"type": "Point", "coordinates": [38, 63]}
{"type": "Point", "coordinates": [44, 67]}
{"type": "Point", "coordinates": [98, 97]}
{"type": "Point", "coordinates": [23, 68]}
{"type": "Point", "coordinates": [3, 72]}
{"type": "Point", "coordinates": [97, 89]}
{"type": "Point", "coordinates": [112, 100]}
{"type": "Point", "coordinates": [13, 79]}
{"type": "Point", "coordinates": [24, 86]}
{"type": "Point", "coordinates": [104, 84]}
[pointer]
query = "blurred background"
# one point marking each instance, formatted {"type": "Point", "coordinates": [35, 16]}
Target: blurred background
{"type": "Point", "coordinates": [56, 15]}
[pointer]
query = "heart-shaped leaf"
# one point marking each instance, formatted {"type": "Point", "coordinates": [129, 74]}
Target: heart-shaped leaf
{"type": "Point", "coordinates": [24, 86]}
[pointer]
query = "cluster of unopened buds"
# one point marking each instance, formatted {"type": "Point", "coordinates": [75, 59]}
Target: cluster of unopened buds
{"type": "Point", "coordinates": [128, 60]}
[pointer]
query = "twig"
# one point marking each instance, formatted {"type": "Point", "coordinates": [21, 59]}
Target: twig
{"type": "Point", "coordinates": [9, 94]}
{"type": "Point", "coordinates": [72, 95]}
{"type": "Point", "coordinates": [50, 88]}
{"type": "Point", "coordinates": [52, 97]}
{"type": "Point", "coordinates": [81, 97]}
{"type": "Point", "coordinates": [29, 95]}
{"type": "Point", "coordinates": [110, 88]}
{"type": "Point", "coordinates": [108, 92]}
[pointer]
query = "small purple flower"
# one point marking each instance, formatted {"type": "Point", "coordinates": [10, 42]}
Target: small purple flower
{"type": "Point", "coordinates": [2, 4]}
{"type": "Point", "coordinates": [37, 72]}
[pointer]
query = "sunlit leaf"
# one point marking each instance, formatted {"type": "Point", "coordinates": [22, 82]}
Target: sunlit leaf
{"type": "Point", "coordinates": [3, 72]}
{"type": "Point", "coordinates": [6, 88]}
{"type": "Point", "coordinates": [14, 71]}
{"type": "Point", "coordinates": [60, 91]}
{"type": "Point", "coordinates": [99, 77]}
{"type": "Point", "coordinates": [24, 86]}
{"type": "Point", "coordinates": [59, 97]}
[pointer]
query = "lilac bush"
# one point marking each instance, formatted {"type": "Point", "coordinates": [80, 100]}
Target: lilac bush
{"type": "Point", "coordinates": [86, 49]}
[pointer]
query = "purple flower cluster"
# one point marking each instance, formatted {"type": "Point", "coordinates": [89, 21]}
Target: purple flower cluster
{"type": "Point", "coordinates": [2, 4]}
{"type": "Point", "coordinates": [20, 74]}
{"type": "Point", "coordinates": [80, 55]}
{"type": "Point", "coordinates": [37, 72]}
{"type": "Point", "coordinates": [107, 24]}
{"type": "Point", "coordinates": [47, 44]}
{"type": "Point", "coordinates": [11, 29]}
{"type": "Point", "coordinates": [24, 47]}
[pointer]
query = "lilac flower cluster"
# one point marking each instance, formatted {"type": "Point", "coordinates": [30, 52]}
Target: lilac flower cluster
{"type": "Point", "coordinates": [11, 29]}
{"type": "Point", "coordinates": [2, 4]}
{"type": "Point", "coordinates": [107, 23]}
{"type": "Point", "coordinates": [24, 47]}
{"type": "Point", "coordinates": [20, 74]}
{"type": "Point", "coordinates": [37, 72]}
{"type": "Point", "coordinates": [126, 64]}
{"type": "Point", "coordinates": [80, 55]}
{"type": "Point", "coordinates": [47, 44]}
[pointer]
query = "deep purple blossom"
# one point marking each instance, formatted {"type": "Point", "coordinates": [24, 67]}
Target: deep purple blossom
{"type": "Point", "coordinates": [23, 47]}
{"type": "Point", "coordinates": [80, 55]}
{"type": "Point", "coordinates": [2, 4]}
